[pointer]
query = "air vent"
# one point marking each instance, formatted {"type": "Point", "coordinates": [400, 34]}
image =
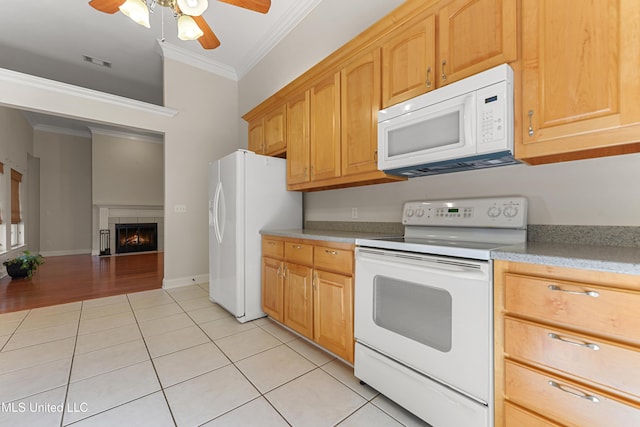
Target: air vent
{"type": "Point", "coordinates": [96, 61]}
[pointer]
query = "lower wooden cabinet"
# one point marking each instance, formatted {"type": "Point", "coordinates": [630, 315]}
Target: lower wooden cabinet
{"type": "Point", "coordinates": [567, 346]}
{"type": "Point", "coordinates": [308, 286]}
{"type": "Point", "coordinates": [298, 299]}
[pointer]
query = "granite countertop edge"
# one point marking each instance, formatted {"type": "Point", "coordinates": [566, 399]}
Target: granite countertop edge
{"type": "Point", "coordinates": [614, 259]}
{"type": "Point", "coordinates": [325, 235]}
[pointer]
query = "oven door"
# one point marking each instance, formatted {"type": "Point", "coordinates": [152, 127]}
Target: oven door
{"type": "Point", "coordinates": [432, 314]}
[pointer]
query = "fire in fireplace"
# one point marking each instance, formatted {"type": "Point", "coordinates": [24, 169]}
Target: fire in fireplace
{"type": "Point", "coordinates": [140, 237]}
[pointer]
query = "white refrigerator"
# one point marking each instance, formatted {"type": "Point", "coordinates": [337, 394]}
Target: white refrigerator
{"type": "Point", "coordinates": [247, 192]}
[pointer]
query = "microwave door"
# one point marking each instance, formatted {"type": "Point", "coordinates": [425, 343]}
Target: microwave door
{"type": "Point", "coordinates": [438, 132]}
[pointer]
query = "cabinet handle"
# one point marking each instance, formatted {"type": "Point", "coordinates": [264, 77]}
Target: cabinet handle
{"type": "Point", "coordinates": [296, 246]}
{"type": "Point", "coordinates": [327, 251]}
{"type": "Point", "coordinates": [530, 114]}
{"type": "Point", "coordinates": [444, 76]}
{"type": "Point", "coordinates": [593, 294]}
{"type": "Point", "coordinates": [285, 271]}
{"type": "Point", "coordinates": [279, 272]}
{"type": "Point", "coordinates": [589, 345]}
{"type": "Point", "coordinates": [311, 171]}
{"type": "Point", "coordinates": [576, 393]}
{"type": "Point", "coordinates": [270, 242]}
{"type": "Point", "coordinates": [428, 72]}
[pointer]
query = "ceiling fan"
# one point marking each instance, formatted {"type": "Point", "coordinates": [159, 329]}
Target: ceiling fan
{"type": "Point", "coordinates": [191, 24]}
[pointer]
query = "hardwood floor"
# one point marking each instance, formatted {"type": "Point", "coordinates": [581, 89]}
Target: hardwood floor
{"type": "Point", "coordinates": [72, 278]}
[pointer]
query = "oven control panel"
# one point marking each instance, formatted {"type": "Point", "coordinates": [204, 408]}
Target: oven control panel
{"type": "Point", "coordinates": [506, 212]}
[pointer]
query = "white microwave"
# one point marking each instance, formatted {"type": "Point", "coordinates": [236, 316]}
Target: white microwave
{"type": "Point", "coordinates": [465, 125]}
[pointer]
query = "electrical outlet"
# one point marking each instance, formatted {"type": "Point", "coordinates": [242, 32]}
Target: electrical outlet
{"type": "Point", "coordinates": [180, 208]}
{"type": "Point", "coordinates": [354, 213]}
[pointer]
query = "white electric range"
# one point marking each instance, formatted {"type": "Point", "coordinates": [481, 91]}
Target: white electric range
{"type": "Point", "coordinates": [424, 307]}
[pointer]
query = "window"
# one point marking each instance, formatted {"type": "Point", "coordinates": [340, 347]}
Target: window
{"type": "Point", "coordinates": [17, 225]}
{"type": "Point", "coordinates": [3, 233]}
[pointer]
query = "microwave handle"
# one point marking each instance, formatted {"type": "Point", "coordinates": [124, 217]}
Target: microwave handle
{"type": "Point", "coordinates": [469, 111]}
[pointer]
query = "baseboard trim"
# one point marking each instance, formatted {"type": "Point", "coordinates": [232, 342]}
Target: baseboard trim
{"type": "Point", "coordinates": [184, 281]}
{"type": "Point", "coordinates": [63, 253]}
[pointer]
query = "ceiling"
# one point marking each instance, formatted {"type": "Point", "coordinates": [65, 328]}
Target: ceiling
{"type": "Point", "coordinates": [49, 38]}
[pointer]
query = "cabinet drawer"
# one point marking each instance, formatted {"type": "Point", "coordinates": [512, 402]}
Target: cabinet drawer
{"type": "Point", "coordinates": [331, 259]}
{"type": "Point", "coordinates": [564, 401]}
{"type": "Point", "coordinates": [590, 308]}
{"type": "Point", "coordinates": [518, 417]}
{"type": "Point", "coordinates": [578, 355]}
{"type": "Point", "coordinates": [298, 253]}
{"type": "Point", "coordinates": [272, 248]}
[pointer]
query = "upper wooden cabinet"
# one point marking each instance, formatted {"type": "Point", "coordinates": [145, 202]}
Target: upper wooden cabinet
{"type": "Point", "coordinates": [580, 80]}
{"type": "Point", "coordinates": [256, 136]}
{"type": "Point", "coordinates": [472, 36]}
{"type": "Point", "coordinates": [409, 61]}
{"type": "Point", "coordinates": [360, 102]}
{"type": "Point", "coordinates": [267, 133]}
{"type": "Point", "coordinates": [298, 159]}
{"type": "Point", "coordinates": [324, 125]}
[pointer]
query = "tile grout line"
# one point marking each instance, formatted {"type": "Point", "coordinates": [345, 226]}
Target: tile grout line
{"type": "Point", "coordinates": [173, 418]}
{"type": "Point", "coordinates": [14, 332]}
{"type": "Point", "coordinates": [73, 355]}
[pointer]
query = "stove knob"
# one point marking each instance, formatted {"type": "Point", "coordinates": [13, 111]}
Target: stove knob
{"type": "Point", "coordinates": [409, 213]}
{"type": "Point", "coordinates": [510, 211]}
{"type": "Point", "coordinates": [494, 212]}
{"type": "Point", "coordinates": [419, 213]}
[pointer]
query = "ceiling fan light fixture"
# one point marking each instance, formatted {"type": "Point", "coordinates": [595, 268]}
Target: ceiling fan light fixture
{"type": "Point", "coordinates": [137, 10]}
{"type": "Point", "coordinates": [188, 29]}
{"type": "Point", "coordinates": [193, 7]}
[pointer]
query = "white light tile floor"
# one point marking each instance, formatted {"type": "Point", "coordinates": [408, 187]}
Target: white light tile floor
{"type": "Point", "coordinates": [172, 358]}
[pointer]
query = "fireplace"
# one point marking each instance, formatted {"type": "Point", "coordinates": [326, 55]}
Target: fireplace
{"type": "Point", "coordinates": [139, 237]}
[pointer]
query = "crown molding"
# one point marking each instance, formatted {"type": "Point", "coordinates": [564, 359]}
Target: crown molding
{"type": "Point", "coordinates": [167, 50]}
{"type": "Point", "coordinates": [34, 82]}
{"type": "Point", "coordinates": [125, 135]}
{"type": "Point", "coordinates": [277, 32]}
{"type": "Point", "coordinates": [61, 130]}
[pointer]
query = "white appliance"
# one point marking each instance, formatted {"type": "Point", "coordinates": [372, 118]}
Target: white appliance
{"type": "Point", "coordinates": [424, 307]}
{"type": "Point", "coordinates": [465, 125]}
{"type": "Point", "coordinates": [247, 192]}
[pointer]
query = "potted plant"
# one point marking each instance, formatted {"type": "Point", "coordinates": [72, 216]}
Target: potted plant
{"type": "Point", "coordinates": [24, 265]}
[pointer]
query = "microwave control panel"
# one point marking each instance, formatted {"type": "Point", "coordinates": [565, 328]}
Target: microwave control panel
{"type": "Point", "coordinates": [492, 109]}
{"type": "Point", "coordinates": [509, 212]}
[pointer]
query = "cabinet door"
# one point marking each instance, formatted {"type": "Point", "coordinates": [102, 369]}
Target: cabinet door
{"type": "Point", "coordinates": [409, 62]}
{"type": "Point", "coordinates": [333, 312]}
{"type": "Point", "coordinates": [256, 136]}
{"type": "Point", "coordinates": [272, 288]}
{"type": "Point", "coordinates": [360, 94]}
{"type": "Point", "coordinates": [580, 81]}
{"type": "Point", "coordinates": [475, 35]}
{"type": "Point", "coordinates": [298, 299]}
{"type": "Point", "coordinates": [275, 141]}
{"type": "Point", "coordinates": [325, 129]}
{"type": "Point", "coordinates": [298, 139]}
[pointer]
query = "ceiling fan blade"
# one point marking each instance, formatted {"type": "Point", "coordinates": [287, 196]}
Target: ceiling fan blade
{"type": "Point", "coordinates": [208, 40]}
{"type": "Point", "coordinates": [106, 6]}
{"type": "Point", "coordinates": [261, 6]}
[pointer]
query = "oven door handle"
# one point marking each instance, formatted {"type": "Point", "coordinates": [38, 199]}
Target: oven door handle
{"type": "Point", "coordinates": [422, 262]}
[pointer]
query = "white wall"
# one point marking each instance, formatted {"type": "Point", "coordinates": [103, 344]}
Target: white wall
{"type": "Point", "coordinates": [588, 192]}
{"type": "Point", "coordinates": [65, 192]}
{"type": "Point", "coordinates": [126, 171]}
{"type": "Point", "coordinates": [205, 130]}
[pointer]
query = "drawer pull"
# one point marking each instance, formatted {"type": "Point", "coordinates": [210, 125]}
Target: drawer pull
{"type": "Point", "coordinates": [576, 393]}
{"type": "Point", "coordinates": [577, 343]}
{"type": "Point", "coordinates": [296, 246]}
{"type": "Point", "coordinates": [593, 294]}
{"type": "Point", "coordinates": [271, 243]}
{"type": "Point", "coordinates": [327, 251]}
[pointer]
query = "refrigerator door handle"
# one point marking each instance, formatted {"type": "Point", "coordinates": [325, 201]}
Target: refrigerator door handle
{"type": "Point", "coordinates": [216, 208]}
